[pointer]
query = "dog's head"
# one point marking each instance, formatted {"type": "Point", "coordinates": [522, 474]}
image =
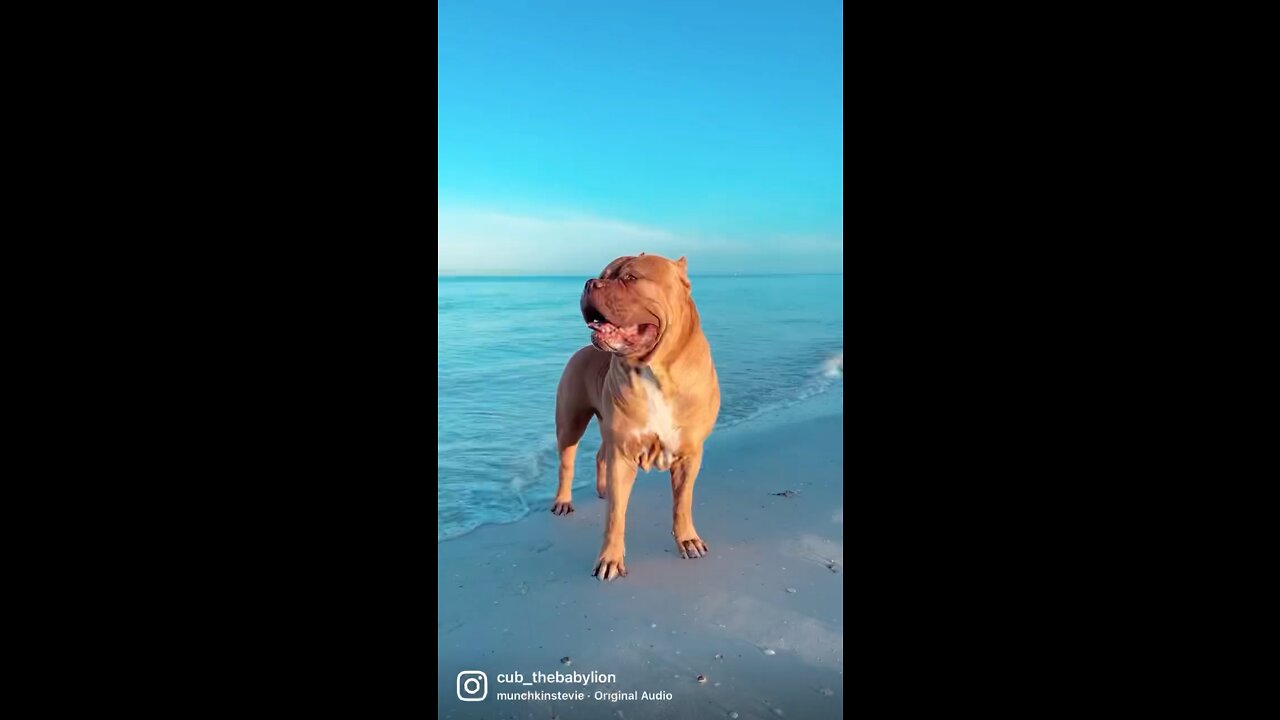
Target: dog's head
{"type": "Point", "coordinates": [635, 302]}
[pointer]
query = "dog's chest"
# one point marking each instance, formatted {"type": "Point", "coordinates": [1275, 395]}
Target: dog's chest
{"type": "Point", "coordinates": [658, 438]}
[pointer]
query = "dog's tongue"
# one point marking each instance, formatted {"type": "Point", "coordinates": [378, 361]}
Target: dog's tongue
{"type": "Point", "coordinates": [609, 331]}
{"type": "Point", "coordinates": [606, 329]}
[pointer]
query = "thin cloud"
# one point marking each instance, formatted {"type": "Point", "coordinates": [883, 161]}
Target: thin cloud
{"type": "Point", "coordinates": [478, 241]}
{"type": "Point", "coordinates": [500, 242]}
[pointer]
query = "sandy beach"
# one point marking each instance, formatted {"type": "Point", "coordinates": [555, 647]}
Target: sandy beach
{"type": "Point", "coordinates": [761, 617]}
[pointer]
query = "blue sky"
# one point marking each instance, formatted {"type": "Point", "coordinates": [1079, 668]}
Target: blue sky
{"type": "Point", "coordinates": [574, 132]}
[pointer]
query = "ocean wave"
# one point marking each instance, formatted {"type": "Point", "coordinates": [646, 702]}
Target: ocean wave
{"type": "Point", "coordinates": [834, 366]}
{"type": "Point", "coordinates": [819, 381]}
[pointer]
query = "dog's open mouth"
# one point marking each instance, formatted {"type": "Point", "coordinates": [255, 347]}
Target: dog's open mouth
{"type": "Point", "coordinates": [618, 338]}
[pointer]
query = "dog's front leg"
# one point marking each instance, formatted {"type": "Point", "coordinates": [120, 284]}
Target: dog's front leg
{"type": "Point", "coordinates": [683, 475]}
{"type": "Point", "coordinates": [621, 473]}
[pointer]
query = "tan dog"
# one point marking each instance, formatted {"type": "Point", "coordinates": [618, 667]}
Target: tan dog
{"type": "Point", "coordinates": [650, 382]}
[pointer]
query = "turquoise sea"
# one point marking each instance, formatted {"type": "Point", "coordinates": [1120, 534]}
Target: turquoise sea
{"type": "Point", "coordinates": [777, 341]}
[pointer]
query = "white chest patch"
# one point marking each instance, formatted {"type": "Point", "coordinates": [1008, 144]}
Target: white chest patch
{"type": "Point", "coordinates": [660, 422]}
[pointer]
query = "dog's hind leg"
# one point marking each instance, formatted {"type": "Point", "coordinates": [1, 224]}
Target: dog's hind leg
{"type": "Point", "coordinates": [602, 480]}
{"type": "Point", "coordinates": [571, 423]}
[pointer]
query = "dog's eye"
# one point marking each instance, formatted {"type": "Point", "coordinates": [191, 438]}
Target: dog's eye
{"type": "Point", "coordinates": [631, 278]}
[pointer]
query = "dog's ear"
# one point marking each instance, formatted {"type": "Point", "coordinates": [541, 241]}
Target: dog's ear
{"type": "Point", "coordinates": [683, 266]}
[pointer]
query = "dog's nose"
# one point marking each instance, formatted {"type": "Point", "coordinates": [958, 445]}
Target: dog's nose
{"type": "Point", "coordinates": [592, 284]}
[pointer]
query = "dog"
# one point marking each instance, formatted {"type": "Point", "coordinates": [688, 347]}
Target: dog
{"type": "Point", "coordinates": [649, 380]}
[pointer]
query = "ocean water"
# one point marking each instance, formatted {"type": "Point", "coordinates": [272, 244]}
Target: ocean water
{"type": "Point", "coordinates": [777, 341]}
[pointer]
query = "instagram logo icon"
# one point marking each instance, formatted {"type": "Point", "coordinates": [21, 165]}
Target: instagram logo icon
{"type": "Point", "coordinates": [473, 685]}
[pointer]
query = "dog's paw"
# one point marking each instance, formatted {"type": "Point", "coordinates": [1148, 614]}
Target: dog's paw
{"type": "Point", "coordinates": [610, 564]}
{"type": "Point", "coordinates": [600, 489]}
{"type": "Point", "coordinates": [689, 545]}
{"type": "Point", "coordinates": [562, 507]}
